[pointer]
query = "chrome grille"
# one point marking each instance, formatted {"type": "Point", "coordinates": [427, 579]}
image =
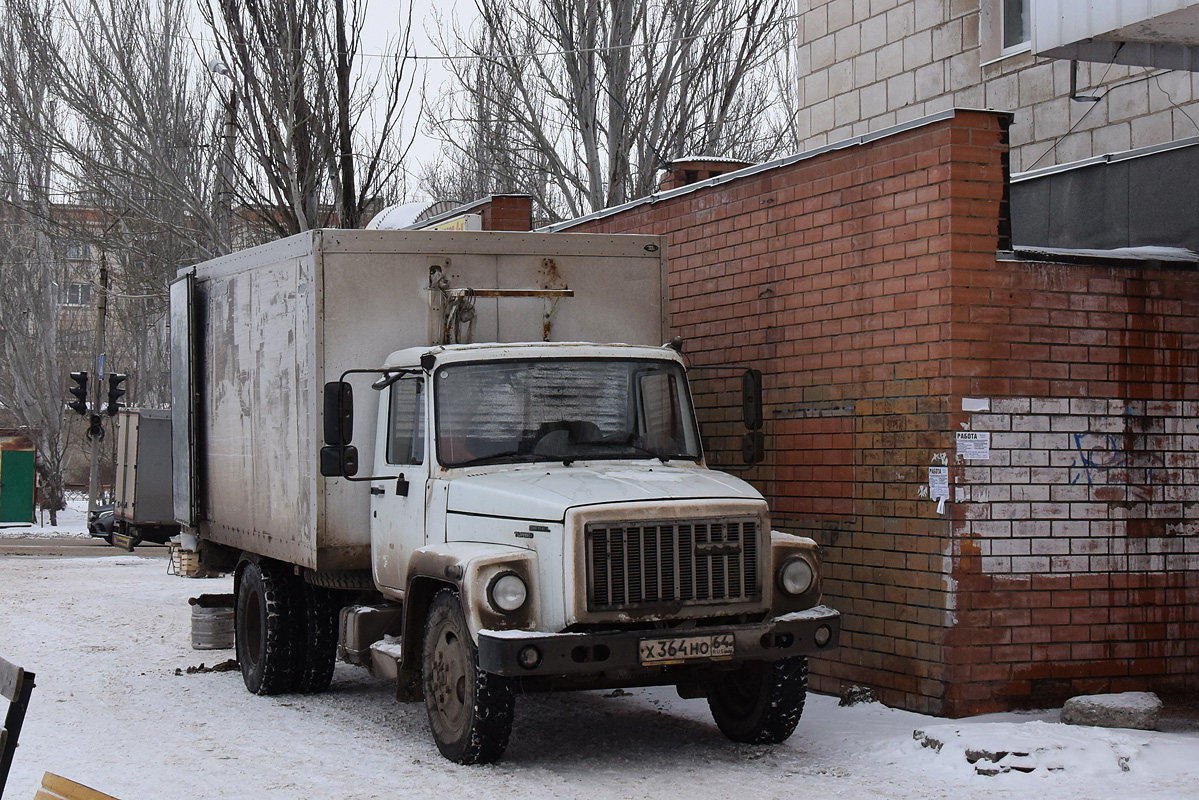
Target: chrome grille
{"type": "Point", "coordinates": [647, 564]}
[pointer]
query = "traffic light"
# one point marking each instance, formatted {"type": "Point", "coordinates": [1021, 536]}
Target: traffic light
{"type": "Point", "coordinates": [114, 393]}
{"type": "Point", "coordinates": [79, 404]}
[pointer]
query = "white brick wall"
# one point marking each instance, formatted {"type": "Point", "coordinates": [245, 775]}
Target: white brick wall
{"type": "Point", "coordinates": [903, 59]}
{"type": "Point", "coordinates": [1082, 485]}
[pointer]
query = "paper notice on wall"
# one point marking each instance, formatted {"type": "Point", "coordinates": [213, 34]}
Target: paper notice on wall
{"type": "Point", "coordinates": [938, 486]}
{"type": "Point", "coordinates": [938, 482]}
{"type": "Point", "coordinates": [976, 445]}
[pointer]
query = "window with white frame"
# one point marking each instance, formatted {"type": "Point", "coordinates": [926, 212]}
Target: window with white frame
{"type": "Point", "coordinates": [1015, 25]}
{"type": "Point", "coordinates": [77, 294]}
{"type": "Point", "coordinates": [1005, 27]}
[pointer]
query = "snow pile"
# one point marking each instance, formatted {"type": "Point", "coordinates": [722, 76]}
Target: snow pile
{"type": "Point", "coordinates": [999, 748]}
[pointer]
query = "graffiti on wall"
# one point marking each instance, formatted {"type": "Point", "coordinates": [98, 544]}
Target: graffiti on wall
{"type": "Point", "coordinates": [1102, 460]}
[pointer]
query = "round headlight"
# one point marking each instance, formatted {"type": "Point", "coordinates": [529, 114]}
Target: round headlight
{"type": "Point", "coordinates": [796, 576]}
{"type": "Point", "coordinates": [507, 592]}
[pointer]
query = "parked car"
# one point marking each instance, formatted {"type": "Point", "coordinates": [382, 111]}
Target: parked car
{"type": "Point", "coordinates": [100, 522]}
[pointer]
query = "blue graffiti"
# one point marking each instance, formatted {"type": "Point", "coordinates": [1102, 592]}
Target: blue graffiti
{"type": "Point", "coordinates": [1109, 463]}
{"type": "Point", "coordinates": [1097, 462]}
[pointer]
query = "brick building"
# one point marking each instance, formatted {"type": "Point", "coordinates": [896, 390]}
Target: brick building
{"type": "Point", "coordinates": [998, 453]}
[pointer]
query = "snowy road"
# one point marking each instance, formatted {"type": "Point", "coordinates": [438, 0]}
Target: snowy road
{"type": "Point", "coordinates": [114, 708]}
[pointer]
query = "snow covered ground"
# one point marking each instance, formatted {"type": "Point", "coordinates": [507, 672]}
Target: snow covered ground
{"type": "Point", "coordinates": [116, 709]}
{"type": "Point", "coordinates": [72, 522]}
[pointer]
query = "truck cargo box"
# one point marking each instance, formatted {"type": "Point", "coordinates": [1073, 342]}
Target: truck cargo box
{"type": "Point", "coordinates": [256, 334]}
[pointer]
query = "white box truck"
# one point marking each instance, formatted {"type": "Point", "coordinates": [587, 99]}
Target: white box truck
{"type": "Point", "coordinates": [411, 454]}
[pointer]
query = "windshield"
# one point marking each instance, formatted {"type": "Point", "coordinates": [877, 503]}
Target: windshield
{"type": "Point", "coordinates": [563, 410]}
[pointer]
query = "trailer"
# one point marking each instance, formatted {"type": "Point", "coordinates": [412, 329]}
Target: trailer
{"type": "Point", "coordinates": [142, 507]}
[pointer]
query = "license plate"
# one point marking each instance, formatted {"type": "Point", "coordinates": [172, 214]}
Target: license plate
{"type": "Point", "coordinates": [716, 647]}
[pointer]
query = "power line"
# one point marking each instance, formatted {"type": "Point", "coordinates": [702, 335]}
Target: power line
{"type": "Point", "coordinates": [1086, 113]}
{"type": "Point", "coordinates": [1174, 104]}
{"type": "Point", "coordinates": [193, 38]}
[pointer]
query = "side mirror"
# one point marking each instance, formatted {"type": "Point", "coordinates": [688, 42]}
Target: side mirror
{"type": "Point", "coordinates": [339, 461]}
{"type": "Point", "coordinates": [339, 415]}
{"type": "Point", "coordinates": [753, 447]}
{"type": "Point", "coordinates": [751, 399]}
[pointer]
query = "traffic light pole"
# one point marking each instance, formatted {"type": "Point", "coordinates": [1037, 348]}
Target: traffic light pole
{"type": "Point", "coordinates": [95, 431]}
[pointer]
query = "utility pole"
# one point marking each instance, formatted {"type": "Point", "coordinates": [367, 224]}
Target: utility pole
{"type": "Point", "coordinates": [225, 192]}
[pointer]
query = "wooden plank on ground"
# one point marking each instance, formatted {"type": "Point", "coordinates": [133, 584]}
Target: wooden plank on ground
{"type": "Point", "coordinates": [11, 678]}
{"type": "Point", "coordinates": [56, 787]}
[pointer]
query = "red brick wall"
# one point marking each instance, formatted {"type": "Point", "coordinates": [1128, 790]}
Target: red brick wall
{"type": "Point", "coordinates": [864, 283]}
{"type": "Point", "coordinates": [1080, 561]}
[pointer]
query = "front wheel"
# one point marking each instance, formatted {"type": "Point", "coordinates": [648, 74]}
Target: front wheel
{"type": "Point", "coordinates": [470, 711]}
{"type": "Point", "coordinates": [760, 702]}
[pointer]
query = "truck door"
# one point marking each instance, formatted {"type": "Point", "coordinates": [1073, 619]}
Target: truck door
{"type": "Point", "coordinates": [398, 507]}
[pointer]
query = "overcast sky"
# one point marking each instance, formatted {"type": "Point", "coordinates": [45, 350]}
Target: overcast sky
{"type": "Point", "coordinates": [382, 23]}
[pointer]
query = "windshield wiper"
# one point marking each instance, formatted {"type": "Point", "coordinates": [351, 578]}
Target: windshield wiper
{"type": "Point", "coordinates": [510, 456]}
{"type": "Point", "coordinates": [636, 450]}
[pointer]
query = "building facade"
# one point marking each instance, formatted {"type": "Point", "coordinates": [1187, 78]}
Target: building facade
{"type": "Point", "coordinates": [865, 65]}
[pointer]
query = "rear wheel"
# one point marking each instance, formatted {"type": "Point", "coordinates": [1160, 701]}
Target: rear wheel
{"type": "Point", "coordinates": [762, 701]}
{"type": "Point", "coordinates": [315, 669]}
{"type": "Point", "coordinates": [470, 711]}
{"type": "Point", "coordinates": [269, 626]}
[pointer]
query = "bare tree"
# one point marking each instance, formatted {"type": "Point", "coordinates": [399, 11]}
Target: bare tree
{"type": "Point", "coordinates": [317, 129]}
{"type": "Point", "coordinates": [110, 109]}
{"type": "Point", "coordinates": [580, 102]}
{"type": "Point", "coordinates": [31, 388]}
{"type": "Point", "coordinates": [130, 161]}
{"type": "Point", "coordinates": [101, 97]}
{"type": "Point", "coordinates": [133, 115]}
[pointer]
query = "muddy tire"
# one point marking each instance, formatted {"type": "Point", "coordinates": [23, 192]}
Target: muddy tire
{"type": "Point", "coordinates": [269, 619]}
{"type": "Point", "coordinates": [470, 711]}
{"type": "Point", "coordinates": [319, 654]}
{"type": "Point", "coordinates": [762, 701]}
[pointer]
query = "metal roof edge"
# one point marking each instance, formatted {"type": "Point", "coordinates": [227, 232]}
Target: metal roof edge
{"type": "Point", "coordinates": [1124, 255]}
{"type": "Point", "coordinates": [1107, 158]}
{"type": "Point", "coordinates": [766, 166]}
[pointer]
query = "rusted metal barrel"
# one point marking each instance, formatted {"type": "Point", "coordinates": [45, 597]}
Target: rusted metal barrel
{"type": "Point", "coordinates": [212, 622]}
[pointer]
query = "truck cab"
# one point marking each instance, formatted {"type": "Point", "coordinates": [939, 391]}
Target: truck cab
{"type": "Point", "coordinates": [542, 518]}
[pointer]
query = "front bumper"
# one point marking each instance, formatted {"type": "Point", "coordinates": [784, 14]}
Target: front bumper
{"type": "Point", "coordinates": [566, 654]}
